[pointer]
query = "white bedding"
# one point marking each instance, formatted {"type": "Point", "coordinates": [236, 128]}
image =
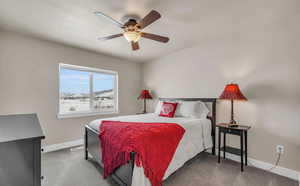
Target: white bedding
{"type": "Point", "coordinates": [197, 138]}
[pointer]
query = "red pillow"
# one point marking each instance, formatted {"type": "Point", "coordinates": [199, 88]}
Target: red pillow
{"type": "Point", "coordinates": [168, 109]}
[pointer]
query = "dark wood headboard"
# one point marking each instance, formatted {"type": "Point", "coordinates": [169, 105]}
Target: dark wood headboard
{"type": "Point", "coordinates": [212, 117]}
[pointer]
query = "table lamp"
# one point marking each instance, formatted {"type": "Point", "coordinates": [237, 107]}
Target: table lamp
{"type": "Point", "coordinates": [232, 92]}
{"type": "Point", "coordinates": [145, 94]}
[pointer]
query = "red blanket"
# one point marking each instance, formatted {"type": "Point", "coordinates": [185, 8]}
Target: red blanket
{"type": "Point", "coordinates": [154, 145]}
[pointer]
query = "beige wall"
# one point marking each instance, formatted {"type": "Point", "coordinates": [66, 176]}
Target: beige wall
{"type": "Point", "coordinates": [264, 61]}
{"type": "Point", "coordinates": [29, 82]}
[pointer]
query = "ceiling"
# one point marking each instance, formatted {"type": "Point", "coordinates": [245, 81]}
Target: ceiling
{"type": "Point", "coordinates": [187, 23]}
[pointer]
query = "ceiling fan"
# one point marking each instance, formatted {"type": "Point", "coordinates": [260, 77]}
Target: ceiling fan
{"type": "Point", "coordinates": [132, 29]}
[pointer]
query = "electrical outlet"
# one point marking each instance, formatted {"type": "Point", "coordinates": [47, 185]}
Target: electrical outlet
{"type": "Point", "coordinates": [280, 149]}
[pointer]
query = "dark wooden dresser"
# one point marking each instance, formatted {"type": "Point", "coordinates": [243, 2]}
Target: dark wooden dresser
{"type": "Point", "coordinates": [20, 150]}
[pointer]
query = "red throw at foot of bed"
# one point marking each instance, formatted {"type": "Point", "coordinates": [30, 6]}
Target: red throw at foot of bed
{"type": "Point", "coordinates": [154, 145]}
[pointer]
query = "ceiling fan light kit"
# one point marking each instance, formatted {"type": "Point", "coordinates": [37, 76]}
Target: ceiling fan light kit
{"type": "Point", "coordinates": [132, 29]}
{"type": "Point", "coordinates": [132, 33]}
{"type": "Point", "coordinates": [132, 36]}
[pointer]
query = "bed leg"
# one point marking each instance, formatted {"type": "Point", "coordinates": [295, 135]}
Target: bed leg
{"type": "Point", "coordinates": [85, 144]}
{"type": "Point", "coordinates": [214, 127]}
{"type": "Point", "coordinates": [214, 146]}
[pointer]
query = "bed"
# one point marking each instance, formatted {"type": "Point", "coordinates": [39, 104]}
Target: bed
{"type": "Point", "coordinates": [199, 137]}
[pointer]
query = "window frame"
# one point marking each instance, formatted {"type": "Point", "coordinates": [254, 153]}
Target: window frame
{"type": "Point", "coordinates": [91, 112]}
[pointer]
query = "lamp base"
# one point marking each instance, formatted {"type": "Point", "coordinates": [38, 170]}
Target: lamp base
{"type": "Point", "coordinates": [233, 123]}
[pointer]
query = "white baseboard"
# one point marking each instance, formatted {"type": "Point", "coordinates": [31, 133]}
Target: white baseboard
{"type": "Point", "coordinates": [295, 175]}
{"type": "Point", "coordinates": [59, 146]}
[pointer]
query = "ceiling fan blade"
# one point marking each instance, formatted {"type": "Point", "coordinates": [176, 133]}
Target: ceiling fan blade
{"type": "Point", "coordinates": [155, 37]}
{"type": "Point", "coordinates": [110, 19]}
{"type": "Point", "coordinates": [148, 19]}
{"type": "Point", "coordinates": [109, 37]}
{"type": "Point", "coordinates": [135, 45]}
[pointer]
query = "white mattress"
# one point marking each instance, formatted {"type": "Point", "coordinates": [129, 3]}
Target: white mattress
{"type": "Point", "coordinates": [197, 138]}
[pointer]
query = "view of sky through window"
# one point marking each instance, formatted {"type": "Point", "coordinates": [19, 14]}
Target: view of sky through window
{"type": "Point", "coordinates": [75, 81]}
{"type": "Point", "coordinates": [103, 82]}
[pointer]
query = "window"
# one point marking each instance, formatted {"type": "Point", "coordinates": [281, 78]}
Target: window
{"type": "Point", "coordinates": [86, 91]}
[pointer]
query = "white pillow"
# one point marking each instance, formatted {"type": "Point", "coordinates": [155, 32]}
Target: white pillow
{"type": "Point", "coordinates": [158, 107]}
{"type": "Point", "coordinates": [192, 109]}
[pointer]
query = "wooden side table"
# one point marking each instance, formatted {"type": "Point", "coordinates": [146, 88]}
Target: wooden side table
{"type": "Point", "coordinates": [241, 131]}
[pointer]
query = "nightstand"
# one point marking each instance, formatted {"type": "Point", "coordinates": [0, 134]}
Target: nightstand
{"type": "Point", "coordinates": [241, 131]}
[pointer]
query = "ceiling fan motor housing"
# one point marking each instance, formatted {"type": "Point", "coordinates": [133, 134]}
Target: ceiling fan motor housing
{"type": "Point", "coordinates": [131, 23]}
{"type": "Point", "coordinates": [128, 17]}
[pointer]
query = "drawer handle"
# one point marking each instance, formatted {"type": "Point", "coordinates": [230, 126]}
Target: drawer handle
{"type": "Point", "coordinates": [42, 177]}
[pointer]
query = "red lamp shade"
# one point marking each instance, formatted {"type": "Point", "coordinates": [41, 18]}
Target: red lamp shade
{"type": "Point", "coordinates": [232, 92]}
{"type": "Point", "coordinates": [145, 94]}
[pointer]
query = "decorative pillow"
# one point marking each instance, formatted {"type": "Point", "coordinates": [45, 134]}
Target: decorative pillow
{"type": "Point", "coordinates": [192, 109]}
{"type": "Point", "coordinates": [168, 109]}
{"type": "Point", "coordinates": [159, 105]}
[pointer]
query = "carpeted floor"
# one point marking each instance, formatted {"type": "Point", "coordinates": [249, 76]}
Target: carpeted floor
{"type": "Point", "coordinates": [68, 168]}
